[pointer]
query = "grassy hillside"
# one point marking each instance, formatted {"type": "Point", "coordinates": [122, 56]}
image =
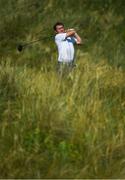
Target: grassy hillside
{"type": "Point", "coordinates": [69, 127]}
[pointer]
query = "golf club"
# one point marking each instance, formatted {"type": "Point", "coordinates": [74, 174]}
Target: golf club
{"type": "Point", "coordinates": [20, 47]}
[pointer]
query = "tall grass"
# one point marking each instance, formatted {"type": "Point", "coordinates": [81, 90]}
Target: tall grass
{"type": "Point", "coordinates": [69, 127]}
{"type": "Point", "coordinates": [62, 127]}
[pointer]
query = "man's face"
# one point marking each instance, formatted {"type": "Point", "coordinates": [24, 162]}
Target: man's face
{"type": "Point", "coordinates": [60, 29]}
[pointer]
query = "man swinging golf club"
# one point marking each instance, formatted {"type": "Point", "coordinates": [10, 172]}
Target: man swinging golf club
{"type": "Point", "coordinates": [65, 40]}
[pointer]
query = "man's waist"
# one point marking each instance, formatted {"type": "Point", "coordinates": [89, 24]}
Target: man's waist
{"type": "Point", "coordinates": [65, 61]}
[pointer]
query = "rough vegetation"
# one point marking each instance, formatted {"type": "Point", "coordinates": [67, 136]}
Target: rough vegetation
{"type": "Point", "coordinates": [68, 127]}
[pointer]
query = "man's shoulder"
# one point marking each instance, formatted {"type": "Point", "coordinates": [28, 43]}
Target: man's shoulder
{"type": "Point", "coordinates": [60, 35]}
{"type": "Point", "coordinates": [56, 35]}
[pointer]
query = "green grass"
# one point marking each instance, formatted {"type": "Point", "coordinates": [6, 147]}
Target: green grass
{"type": "Point", "coordinates": [62, 127]}
{"type": "Point", "coordinates": [69, 127]}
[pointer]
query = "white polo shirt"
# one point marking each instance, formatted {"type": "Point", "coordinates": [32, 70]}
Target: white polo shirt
{"type": "Point", "coordinates": [65, 47]}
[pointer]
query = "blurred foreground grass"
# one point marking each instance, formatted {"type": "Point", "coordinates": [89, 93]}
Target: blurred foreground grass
{"type": "Point", "coordinates": [71, 127]}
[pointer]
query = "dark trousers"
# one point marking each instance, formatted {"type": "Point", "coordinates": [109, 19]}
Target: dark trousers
{"type": "Point", "coordinates": [65, 67]}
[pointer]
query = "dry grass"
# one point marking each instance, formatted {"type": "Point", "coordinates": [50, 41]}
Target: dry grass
{"type": "Point", "coordinates": [71, 127]}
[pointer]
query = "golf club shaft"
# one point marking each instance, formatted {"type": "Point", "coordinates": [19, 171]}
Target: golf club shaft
{"type": "Point", "coordinates": [31, 42]}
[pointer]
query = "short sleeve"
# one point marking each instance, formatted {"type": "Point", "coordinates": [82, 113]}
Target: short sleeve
{"type": "Point", "coordinates": [60, 37]}
{"type": "Point", "coordinates": [74, 40]}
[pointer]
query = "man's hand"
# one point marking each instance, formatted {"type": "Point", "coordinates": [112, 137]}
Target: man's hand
{"type": "Point", "coordinates": [70, 32]}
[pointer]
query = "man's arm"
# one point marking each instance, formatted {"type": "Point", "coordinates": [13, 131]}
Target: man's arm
{"type": "Point", "coordinates": [72, 32]}
{"type": "Point", "coordinates": [78, 38]}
